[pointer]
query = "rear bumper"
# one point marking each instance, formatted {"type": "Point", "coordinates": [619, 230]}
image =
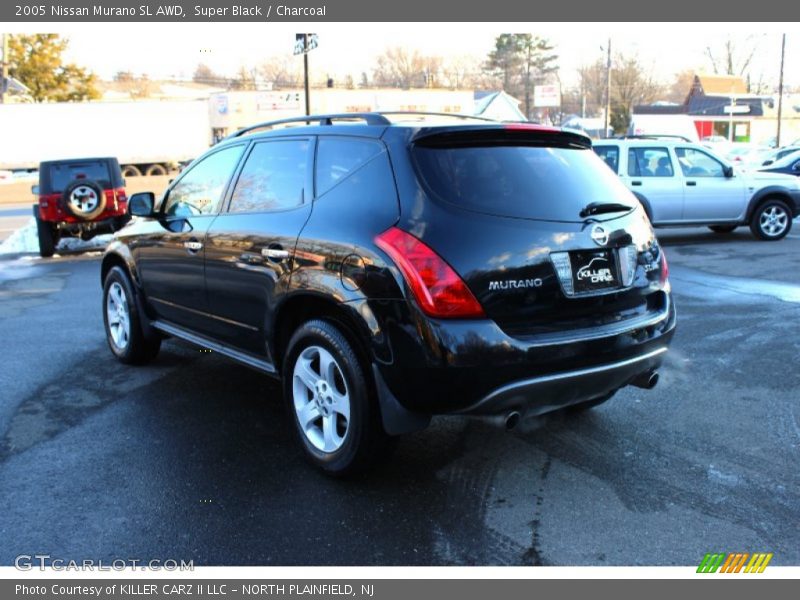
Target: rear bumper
{"type": "Point", "coordinates": [53, 211]}
{"type": "Point", "coordinates": [539, 395]}
{"type": "Point", "coordinates": [474, 367]}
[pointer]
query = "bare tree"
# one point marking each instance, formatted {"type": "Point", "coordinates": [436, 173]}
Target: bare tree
{"type": "Point", "coordinates": [206, 75]}
{"type": "Point", "coordinates": [678, 90]}
{"type": "Point", "coordinates": [460, 71]}
{"type": "Point", "coordinates": [592, 86]}
{"type": "Point", "coordinates": [631, 84]}
{"type": "Point", "coordinates": [406, 68]}
{"type": "Point", "coordinates": [282, 71]}
{"type": "Point", "coordinates": [137, 87]}
{"type": "Point", "coordinates": [244, 81]}
{"type": "Point", "coordinates": [734, 56]}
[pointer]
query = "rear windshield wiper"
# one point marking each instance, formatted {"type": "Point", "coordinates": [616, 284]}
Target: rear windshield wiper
{"type": "Point", "coordinates": [598, 208]}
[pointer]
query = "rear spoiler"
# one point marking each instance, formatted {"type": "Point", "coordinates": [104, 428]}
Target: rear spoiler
{"type": "Point", "coordinates": [500, 134]}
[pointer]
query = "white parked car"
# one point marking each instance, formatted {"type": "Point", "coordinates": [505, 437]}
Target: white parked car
{"type": "Point", "coordinates": [681, 183]}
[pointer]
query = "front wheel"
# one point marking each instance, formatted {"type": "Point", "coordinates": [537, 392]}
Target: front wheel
{"type": "Point", "coordinates": [330, 401]}
{"type": "Point", "coordinates": [122, 321]}
{"type": "Point", "coordinates": [771, 221]}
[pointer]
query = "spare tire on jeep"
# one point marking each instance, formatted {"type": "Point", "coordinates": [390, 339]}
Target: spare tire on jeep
{"type": "Point", "coordinates": [84, 199]}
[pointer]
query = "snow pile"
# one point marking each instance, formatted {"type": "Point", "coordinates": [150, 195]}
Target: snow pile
{"type": "Point", "coordinates": [26, 240]}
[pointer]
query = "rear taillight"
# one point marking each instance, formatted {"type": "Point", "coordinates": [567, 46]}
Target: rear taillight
{"type": "Point", "coordinates": [437, 288]}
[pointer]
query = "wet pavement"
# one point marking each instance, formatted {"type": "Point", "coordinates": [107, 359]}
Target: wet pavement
{"type": "Point", "coordinates": [192, 458]}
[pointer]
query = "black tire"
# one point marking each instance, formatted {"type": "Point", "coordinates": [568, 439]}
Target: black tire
{"type": "Point", "coordinates": [139, 349]}
{"type": "Point", "coordinates": [362, 438]}
{"type": "Point", "coordinates": [155, 170]}
{"type": "Point", "coordinates": [131, 171]}
{"type": "Point", "coordinates": [766, 230]}
{"type": "Point", "coordinates": [722, 228]}
{"type": "Point", "coordinates": [84, 199]}
{"type": "Point", "coordinates": [590, 404]}
{"type": "Point", "coordinates": [48, 239]}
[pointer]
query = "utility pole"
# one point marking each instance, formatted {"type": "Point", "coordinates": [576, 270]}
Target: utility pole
{"type": "Point", "coordinates": [4, 70]}
{"type": "Point", "coordinates": [608, 90]}
{"type": "Point", "coordinates": [731, 109]}
{"type": "Point", "coordinates": [780, 94]}
{"type": "Point", "coordinates": [305, 72]}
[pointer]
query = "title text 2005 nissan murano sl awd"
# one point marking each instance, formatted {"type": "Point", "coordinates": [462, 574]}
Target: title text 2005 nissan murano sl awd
{"type": "Point", "coordinates": [390, 267]}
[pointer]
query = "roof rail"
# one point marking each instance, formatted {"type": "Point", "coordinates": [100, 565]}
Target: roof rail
{"type": "Point", "coordinates": [653, 136]}
{"type": "Point", "coordinates": [369, 118]}
{"type": "Point", "coordinates": [378, 118]}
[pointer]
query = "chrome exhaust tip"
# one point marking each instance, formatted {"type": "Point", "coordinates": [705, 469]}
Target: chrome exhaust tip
{"type": "Point", "coordinates": [512, 420]}
{"type": "Point", "coordinates": [646, 381]}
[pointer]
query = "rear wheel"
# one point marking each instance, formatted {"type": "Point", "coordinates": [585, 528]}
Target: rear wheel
{"type": "Point", "coordinates": [123, 323]}
{"type": "Point", "coordinates": [330, 401]}
{"type": "Point", "coordinates": [771, 221]}
{"type": "Point", "coordinates": [131, 171]}
{"type": "Point", "coordinates": [154, 170]}
{"type": "Point", "coordinates": [48, 238]}
{"type": "Point", "coordinates": [722, 228]}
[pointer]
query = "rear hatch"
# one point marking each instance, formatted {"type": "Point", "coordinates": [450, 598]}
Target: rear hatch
{"type": "Point", "coordinates": [542, 232]}
{"type": "Point", "coordinates": [54, 177]}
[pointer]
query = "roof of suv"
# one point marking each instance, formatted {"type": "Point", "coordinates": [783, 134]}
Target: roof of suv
{"type": "Point", "coordinates": [660, 141]}
{"type": "Point", "coordinates": [375, 124]}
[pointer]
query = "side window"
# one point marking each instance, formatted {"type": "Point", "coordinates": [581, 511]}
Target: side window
{"type": "Point", "coordinates": [610, 155]}
{"type": "Point", "coordinates": [649, 162]}
{"type": "Point", "coordinates": [199, 191]}
{"type": "Point", "coordinates": [273, 177]}
{"type": "Point", "coordinates": [337, 157]}
{"type": "Point", "coordinates": [696, 163]}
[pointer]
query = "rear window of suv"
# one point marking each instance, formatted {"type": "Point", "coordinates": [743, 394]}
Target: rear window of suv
{"type": "Point", "coordinates": [62, 174]}
{"type": "Point", "coordinates": [522, 181]}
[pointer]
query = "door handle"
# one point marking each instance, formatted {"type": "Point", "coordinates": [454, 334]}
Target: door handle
{"type": "Point", "coordinates": [275, 253]}
{"type": "Point", "coordinates": [193, 246]}
{"type": "Point", "coordinates": [693, 183]}
{"type": "Point", "coordinates": [251, 259]}
{"type": "Point", "coordinates": [636, 183]}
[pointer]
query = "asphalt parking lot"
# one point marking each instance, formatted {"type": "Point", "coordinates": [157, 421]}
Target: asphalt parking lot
{"type": "Point", "coordinates": [191, 458]}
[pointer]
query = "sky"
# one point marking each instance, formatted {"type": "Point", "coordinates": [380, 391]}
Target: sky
{"type": "Point", "coordinates": [165, 50]}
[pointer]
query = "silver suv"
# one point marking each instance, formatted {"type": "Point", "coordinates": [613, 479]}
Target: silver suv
{"type": "Point", "coordinates": [680, 183]}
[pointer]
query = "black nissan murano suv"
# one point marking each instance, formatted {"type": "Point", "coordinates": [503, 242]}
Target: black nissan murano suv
{"type": "Point", "coordinates": [388, 267]}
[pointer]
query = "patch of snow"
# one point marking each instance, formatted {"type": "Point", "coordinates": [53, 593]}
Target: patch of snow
{"type": "Point", "coordinates": [26, 240]}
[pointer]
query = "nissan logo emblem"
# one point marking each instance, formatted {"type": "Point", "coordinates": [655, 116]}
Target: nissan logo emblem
{"type": "Point", "coordinates": [599, 235]}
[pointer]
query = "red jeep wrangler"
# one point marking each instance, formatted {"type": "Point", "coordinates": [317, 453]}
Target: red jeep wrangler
{"type": "Point", "coordinates": [80, 197]}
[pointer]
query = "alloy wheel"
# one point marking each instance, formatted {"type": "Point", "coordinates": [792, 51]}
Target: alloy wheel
{"type": "Point", "coordinates": [118, 316]}
{"type": "Point", "coordinates": [774, 221]}
{"type": "Point", "coordinates": [321, 399]}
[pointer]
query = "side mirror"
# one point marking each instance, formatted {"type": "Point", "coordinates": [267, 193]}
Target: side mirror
{"type": "Point", "coordinates": [35, 190]}
{"type": "Point", "coordinates": [141, 204]}
{"type": "Point", "coordinates": [767, 163]}
{"type": "Point", "coordinates": [728, 170]}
